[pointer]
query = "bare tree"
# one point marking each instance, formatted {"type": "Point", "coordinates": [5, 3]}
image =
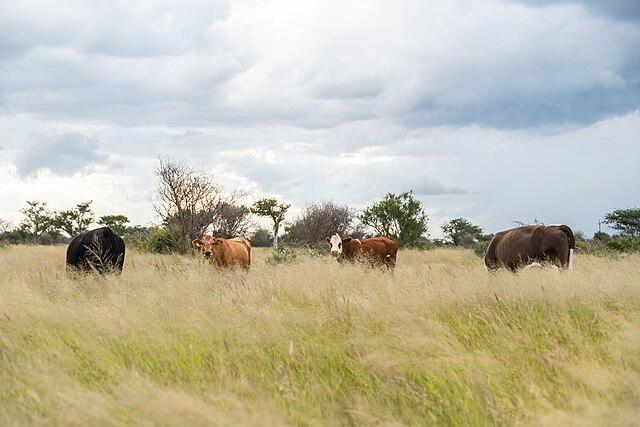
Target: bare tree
{"type": "Point", "coordinates": [188, 201]}
{"type": "Point", "coordinates": [233, 220]}
{"type": "Point", "coordinates": [318, 221]}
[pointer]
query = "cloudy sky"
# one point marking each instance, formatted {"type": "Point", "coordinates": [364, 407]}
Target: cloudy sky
{"type": "Point", "coordinates": [491, 110]}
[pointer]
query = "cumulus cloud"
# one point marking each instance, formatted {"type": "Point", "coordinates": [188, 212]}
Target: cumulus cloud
{"type": "Point", "coordinates": [65, 154]}
{"type": "Point", "coordinates": [319, 64]}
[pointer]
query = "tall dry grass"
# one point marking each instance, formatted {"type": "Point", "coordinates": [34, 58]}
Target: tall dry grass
{"type": "Point", "coordinates": [440, 341]}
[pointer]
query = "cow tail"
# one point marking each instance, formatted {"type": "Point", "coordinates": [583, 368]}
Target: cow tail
{"type": "Point", "coordinates": [572, 243]}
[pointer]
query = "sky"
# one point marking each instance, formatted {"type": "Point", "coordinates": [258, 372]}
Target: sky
{"type": "Point", "coordinates": [496, 111]}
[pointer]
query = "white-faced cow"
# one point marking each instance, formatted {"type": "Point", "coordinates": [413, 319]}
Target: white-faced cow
{"type": "Point", "coordinates": [100, 250]}
{"type": "Point", "coordinates": [225, 253]}
{"type": "Point", "coordinates": [376, 250]}
{"type": "Point", "coordinates": [522, 246]}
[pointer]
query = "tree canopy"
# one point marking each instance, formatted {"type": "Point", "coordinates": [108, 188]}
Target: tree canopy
{"type": "Point", "coordinates": [626, 221]}
{"type": "Point", "coordinates": [461, 231]}
{"type": "Point", "coordinates": [398, 216]}
{"type": "Point", "coordinates": [269, 207]}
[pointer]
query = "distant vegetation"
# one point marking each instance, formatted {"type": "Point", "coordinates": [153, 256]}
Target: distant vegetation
{"type": "Point", "coordinates": [189, 203]}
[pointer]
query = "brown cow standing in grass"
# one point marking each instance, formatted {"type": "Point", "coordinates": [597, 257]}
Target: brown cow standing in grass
{"type": "Point", "coordinates": [377, 250]}
{"type": "Point", "coordinates": [225, 253]}
{"type": "Point", "coordinates": [531, 244]}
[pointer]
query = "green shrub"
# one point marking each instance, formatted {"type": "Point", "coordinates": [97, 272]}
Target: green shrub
{"type": "Point", "coordinates": [601, 236]}
{"type": "Point", "coordinates": [159, 241]}
{"type": "Point", "coordinates": [624, 244]}
{"type": "Point", "coordinates": [283, 255]}
{"type": "Point", "coordinates": [480, 247]}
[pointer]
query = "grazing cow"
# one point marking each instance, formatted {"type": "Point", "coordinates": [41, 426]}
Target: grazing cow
{"type": "Point", "coordinates": [99, 250]}
{"type": "Point", "coordinates": [378, 250]}
{"type": "Point", "coordinates": [532, 243]}
{"type": "Point", "coordinates": [225, 253]}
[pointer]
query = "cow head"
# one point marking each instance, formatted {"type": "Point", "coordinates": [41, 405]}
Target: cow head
{"type": "Point", "coordinates": [206, 245]}
{"type": "Point", "coordinates": [336, 242]}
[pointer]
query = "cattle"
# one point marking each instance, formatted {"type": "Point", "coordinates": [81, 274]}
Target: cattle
{"type": "Point", "coordinates": [100, 250]}
{"type": "Point", "coordinates": [376, 250]}
{"type": "Point", "coordinates": [532, 243]}
{"type": "Point", "coordinates": [225, 253]}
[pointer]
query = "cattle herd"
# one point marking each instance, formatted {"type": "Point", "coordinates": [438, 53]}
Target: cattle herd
{"type": "Point", "coordinates": [101, 250]}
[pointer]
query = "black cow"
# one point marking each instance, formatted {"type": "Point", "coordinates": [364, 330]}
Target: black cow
{"type": "Point", "coordinates": [99, 250]}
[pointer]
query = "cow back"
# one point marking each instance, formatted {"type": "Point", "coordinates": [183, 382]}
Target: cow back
{"type": "Point", "coordinates": [374, 249]}
{"type": "Point", "coordinates": [523, 245]}
{"type": "Point", "coordinates": [98, 250]}
{"type": "Point", "coordinates": [233, 252]}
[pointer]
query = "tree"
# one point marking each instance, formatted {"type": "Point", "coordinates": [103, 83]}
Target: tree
{"type": "Point", "coordinates": [261, 238]}
{"type": "Point", "coordinates": [399, 216]}
{"type": "Point", "coordinates": [188, 202]}
{"type": "Point", "coordinates": [118, 223]}
{"type": "Point", "coordinates": [601, 236]}
{"type": "Point", "coordinates": [37, 219]}
{"type": "Point", "coordinates": [5, 226]}
{"type": "Point", "coordinates": [274, 210]}
{"type": "Point", "coordinates": [627, 221]}
{"type": "Point", "coordinates": [76, 220]}
{"type": "Point", "coordinates": [461, 231]}
{"type": "Point", "coordinates": [318, 221]}
{"type": "Point", "coordinates": [233, 220]}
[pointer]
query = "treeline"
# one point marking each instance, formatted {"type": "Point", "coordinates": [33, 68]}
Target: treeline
{"type": "Point", "coordinates": [189, 203]}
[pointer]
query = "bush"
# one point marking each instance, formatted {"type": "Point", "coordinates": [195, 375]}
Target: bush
{"type": "Point", "coordinates": [624, 244]}
{"type": "Point", "coordinates": [159, 241]}
{"type": "Point", "coordinates": [318, 221]}
{"type": "Point", "coordinates": [480, 247]}
{"type": "Point", "coordinates": [282, 255]}
{"type": "Point", "coordinates": [261, 238]}
{"type": "Point", "coordinates": [426, 244]}
{"type": "Point", "coordinates": [21, 237]}
{"type": "Point", "coordinates": [601, 236]}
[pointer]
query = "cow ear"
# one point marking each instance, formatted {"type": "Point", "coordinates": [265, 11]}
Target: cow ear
{"type": "Point", "coordinates": [196, 243]}
{"type": "Point", "coordinates": [328, 239]}
{"type": "Point", "coordinates": [217, 241]}
{"type": "Point", "coordinates": [346, 240]}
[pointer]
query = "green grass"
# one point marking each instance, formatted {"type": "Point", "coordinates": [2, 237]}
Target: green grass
{"type": "Point", "coordinates": [440, 341]}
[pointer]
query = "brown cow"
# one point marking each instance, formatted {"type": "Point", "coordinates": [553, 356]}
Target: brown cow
{"type": "Point", "coordinates": [378, 250]}
{"type": "Point", "coordinates": [225, 253]}
{"type": "Point", "coordinates": [532, 243]}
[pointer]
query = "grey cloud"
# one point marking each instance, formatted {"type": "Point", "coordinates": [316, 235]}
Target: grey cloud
{"type": "Point", "coordinates": [618, 9]}
{"type": "Point", "coordinates": [208, 66]}
{"type": "Point", "coordinates": [585, 106]}
{"type": "Point", "coordinates": [65, 154]}
{"type": "Point", "coordinates": [114, 29]}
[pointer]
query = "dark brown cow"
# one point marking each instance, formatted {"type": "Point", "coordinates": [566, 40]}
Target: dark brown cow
{"type": "Point", "coordinates": [378, 250]}
{"type": "Point", "coordinates": [533, 243]}
{"type": "Point", "coordinates": [225, 253]}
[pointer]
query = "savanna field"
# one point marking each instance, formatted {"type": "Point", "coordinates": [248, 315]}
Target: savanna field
{"type": "Point", "coordinates": [439, 341]}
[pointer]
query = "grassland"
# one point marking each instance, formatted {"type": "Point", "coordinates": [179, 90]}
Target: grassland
{"type": "Point", "coordinates": [440, 341]}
